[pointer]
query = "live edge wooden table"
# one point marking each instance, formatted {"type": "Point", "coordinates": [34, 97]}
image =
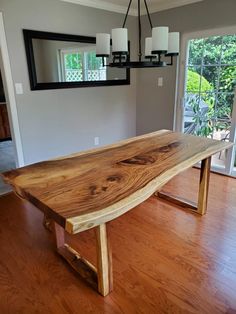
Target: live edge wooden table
{"type": "Point", "coordinates": [89, 189]}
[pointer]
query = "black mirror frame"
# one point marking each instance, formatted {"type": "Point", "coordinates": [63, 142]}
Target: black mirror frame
{"type": "Point", "coordinates": [29, 35]}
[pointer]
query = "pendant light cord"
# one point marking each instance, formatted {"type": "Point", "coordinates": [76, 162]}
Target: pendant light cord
{"type": "Point", "coordinates": [139, 23]}
{"type": "Point", "coordinates": [139, 32]}
{"type": "Point", "coordinates": [148, 14]}
{"type": "Point", "coordinates": [127, 13]}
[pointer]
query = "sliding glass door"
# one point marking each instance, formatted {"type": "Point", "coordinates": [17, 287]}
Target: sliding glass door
{"type": "Point", "coordinates": [209, 101]}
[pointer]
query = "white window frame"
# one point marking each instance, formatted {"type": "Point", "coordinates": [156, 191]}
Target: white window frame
{"type": "Point", "coordinates": [182, 70]}
{"type": "Point", "coordinates": [62, 53]}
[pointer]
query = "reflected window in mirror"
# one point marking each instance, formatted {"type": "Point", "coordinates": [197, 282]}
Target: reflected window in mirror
{"type": "Point", "coordinates": [81, 65]}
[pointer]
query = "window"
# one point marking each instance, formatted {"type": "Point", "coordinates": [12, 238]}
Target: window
{"type": "Point", "coordinates": [211, 79]}
{"type": "Point", "coordinates": [81, 64]}
{"type": "Point", "coordinates": [209, 105]}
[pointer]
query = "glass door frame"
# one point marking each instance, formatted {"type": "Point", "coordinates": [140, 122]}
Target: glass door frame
{"type": "Point", "coordinates": [182, 76]}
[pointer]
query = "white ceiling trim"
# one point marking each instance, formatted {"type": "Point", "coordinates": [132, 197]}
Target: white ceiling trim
{"type": "Point", "coordinates": [104, 5]}
{"type": "Point", "coordinates": [160, 6]}
{"type": "Point", "coordinates": [169, 4]}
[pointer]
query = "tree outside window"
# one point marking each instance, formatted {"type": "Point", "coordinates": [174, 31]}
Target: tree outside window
{"type": "Point", "coordinates": [81, 65]}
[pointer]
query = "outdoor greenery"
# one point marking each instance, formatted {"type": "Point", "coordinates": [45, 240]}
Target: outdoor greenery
{"type": "Point", "coordinates": [74, 61]}
{"type": "Point", "coordinates": [194, 80]}
{"type": "Point", "coordinates": [211, 81]}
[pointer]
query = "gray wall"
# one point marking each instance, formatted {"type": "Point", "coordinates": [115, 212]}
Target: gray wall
{"type": "Point", "coordinates": [155, 105]}
{"type": "Point", "coordinates": [57, 122]}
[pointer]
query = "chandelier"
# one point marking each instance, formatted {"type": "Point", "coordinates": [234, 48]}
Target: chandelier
{"type": "Point", "coordinates": [162, 43]}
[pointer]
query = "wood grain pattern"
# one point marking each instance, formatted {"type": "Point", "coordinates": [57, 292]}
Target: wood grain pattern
{"type": "Point", "coordinates": [165, 260]}
{"type": "Point", "coordinates": [84, 190]}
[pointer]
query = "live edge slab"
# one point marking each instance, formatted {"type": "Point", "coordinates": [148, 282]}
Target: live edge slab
{"type": "Point", "coordinates": [87, 190]}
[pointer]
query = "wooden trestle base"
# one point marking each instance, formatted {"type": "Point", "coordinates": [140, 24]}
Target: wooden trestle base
{"type": "Point", "coordinates": [201, 207]}
{"type": "Point", "coordinates": [99, 278]}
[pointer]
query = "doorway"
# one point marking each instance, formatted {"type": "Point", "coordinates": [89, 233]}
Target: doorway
{"type": "Point", "coordinates": [7, 156]}
{"type": "Point", "coordinates": [208, 95]}
{"type": "Point", "coordinates": [11, 153]}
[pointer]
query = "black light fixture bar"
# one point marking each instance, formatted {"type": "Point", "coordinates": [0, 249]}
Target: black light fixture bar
{"type": "Point", "coordinates": [138, 64]}
{"type": "Point", "coordinates": [122, 59]}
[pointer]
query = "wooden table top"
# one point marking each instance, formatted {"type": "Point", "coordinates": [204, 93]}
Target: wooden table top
{"type": "Point", "coordinates": [82, 190]}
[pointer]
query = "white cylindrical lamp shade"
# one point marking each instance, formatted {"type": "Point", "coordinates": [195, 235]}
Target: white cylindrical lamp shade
{"type": "Point", "coordinates": [160, 39]}
{"type": "Point", "coordinates": [103, 45]}
{"type": "Point", "coordinates": [119, 40]}
{"type": "Point", "coordinates": [173, 46]}
{"type": "Point", "coordinates": [148, 48]}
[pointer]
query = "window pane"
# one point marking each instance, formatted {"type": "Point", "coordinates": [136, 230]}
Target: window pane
{"type": "Point", "coordinates": [211, 75]}
{"type": "Point", "coordinates": [191, 102]}
{"type": "Point", "coordinates": [93, 62]}
{"type": "Point", "coordinates": [222, 125]}
{"type": "Point", "coordinates": [197, 115]}
{"type": "Point", "coordinates": [227, 81]}
{"type": "Point", "coordinates": [205, 116]}
{"type": "Point", "coordinates": [73, 61]}
{"type": "Point", "coordinates": [212, 50]}
{"type": "Point", "coordinates": [224, 105]}
{"type": "Point", "coordinates": [209, 99]}
{"type": "Point", "coordinates": [195, 51]}
{"type": "Point", "coordinates": [229, 50]}
{"type": "Point", "coordinates": [193, 79]}
{"type": "Point", "coordinates": [73, 67]}
{"type": "Point", "coordinates": [94, 69]}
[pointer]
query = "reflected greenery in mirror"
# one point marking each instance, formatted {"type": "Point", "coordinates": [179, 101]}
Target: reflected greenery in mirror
{"type": "Point", "coordinates": [65, 61]}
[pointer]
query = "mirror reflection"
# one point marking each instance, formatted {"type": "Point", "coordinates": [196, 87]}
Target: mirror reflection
{"type": "Point", "coordinates": [65, 61]}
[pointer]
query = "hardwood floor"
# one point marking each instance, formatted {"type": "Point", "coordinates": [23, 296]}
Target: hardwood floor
{"type": "Point", "coordinates": [165, 260]}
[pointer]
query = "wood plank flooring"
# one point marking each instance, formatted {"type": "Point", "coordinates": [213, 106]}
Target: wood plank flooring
{"type": "Point", "coordinates": [165, 260]}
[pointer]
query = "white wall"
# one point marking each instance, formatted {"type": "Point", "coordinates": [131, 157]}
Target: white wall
{"type": "Point", "coordinates": [58, 122]}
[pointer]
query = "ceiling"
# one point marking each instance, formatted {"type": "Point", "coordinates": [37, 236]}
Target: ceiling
{"type": "Point", "coordinates": [120, 6]}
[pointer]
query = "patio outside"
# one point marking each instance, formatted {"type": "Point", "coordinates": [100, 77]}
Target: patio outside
{"type": "Point", "coordinates": [209, 95]}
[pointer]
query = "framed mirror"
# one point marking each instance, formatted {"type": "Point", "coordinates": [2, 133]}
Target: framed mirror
{"type": "Point", "coordinates": [67, 61]}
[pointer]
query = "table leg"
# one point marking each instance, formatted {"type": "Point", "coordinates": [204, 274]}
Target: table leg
{"type": "Point", "coordinates": [104, 261]}
{"type": "Point", "coordinates": [59, 234]}
{"type": "Point", "coordinates": [47, 222]}
{"type": "Point", "coordinates": [204, 186]}
{"type": "Point", "coordinates": [100, 278]}
{"type": "Point", "coordinates": [201, 206]}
